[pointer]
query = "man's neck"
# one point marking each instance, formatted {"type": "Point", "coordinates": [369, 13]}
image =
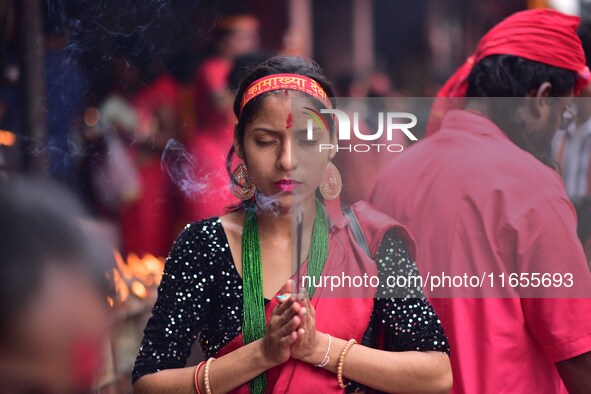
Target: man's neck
{"type": "Point", "coordinates": [479, 106]}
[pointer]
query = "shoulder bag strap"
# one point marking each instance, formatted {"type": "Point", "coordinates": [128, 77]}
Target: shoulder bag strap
{"type": "Point", "coordinates": [356, 229]}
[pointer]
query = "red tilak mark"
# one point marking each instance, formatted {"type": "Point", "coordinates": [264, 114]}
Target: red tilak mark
{"type": "Point", "coordinates": [288, 121]}
{"type": "Point", "coordinates": [286, 93]}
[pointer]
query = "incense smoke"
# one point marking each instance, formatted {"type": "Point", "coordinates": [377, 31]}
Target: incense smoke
{"type": "Point", "coordinates": [145, 27]}
{"type": "Point", "coordinates": [180, 167]}
{"type": "Point", "coordinates": [266, 203]}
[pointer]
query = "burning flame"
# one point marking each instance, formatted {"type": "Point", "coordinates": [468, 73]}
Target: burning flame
{"type": "Point", "coordinates": [121, 287]}
{"type": "Point", "coordinates": [7, 138]}
{"type": "Point", "coordinates": [135, 276]}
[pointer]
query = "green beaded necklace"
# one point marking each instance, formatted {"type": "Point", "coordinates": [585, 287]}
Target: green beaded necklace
{"type": "Point", "coordinates": [254, 322]}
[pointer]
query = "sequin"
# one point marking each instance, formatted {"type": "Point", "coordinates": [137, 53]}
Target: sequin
{"type": "Point", "coordinates": [214, 313]}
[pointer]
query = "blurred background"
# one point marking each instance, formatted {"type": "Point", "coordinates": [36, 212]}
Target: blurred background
{"type": "Point", "coordinates": [128, 104]}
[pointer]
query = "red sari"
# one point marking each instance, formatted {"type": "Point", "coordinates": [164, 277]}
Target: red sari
{"type": "Point", "coordinates": [345, 312]}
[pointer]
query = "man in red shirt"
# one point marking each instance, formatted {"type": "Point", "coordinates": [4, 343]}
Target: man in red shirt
{"type": "Point", "coordinates": [479, 200]}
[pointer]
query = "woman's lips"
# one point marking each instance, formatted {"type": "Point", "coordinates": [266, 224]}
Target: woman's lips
{"type": "Point", "coordinates": [287, 185]}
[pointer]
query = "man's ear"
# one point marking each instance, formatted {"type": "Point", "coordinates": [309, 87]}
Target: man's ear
{"type": "Point", "coordinates": [540, 98]}
{"type": "Point", "coordinates": [545, 90]}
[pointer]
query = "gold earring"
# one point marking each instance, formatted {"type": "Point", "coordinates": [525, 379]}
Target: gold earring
{"type": "Point", "coordinates": [331, 184]}
{"type": "Point", "coordinates": [241, 186]}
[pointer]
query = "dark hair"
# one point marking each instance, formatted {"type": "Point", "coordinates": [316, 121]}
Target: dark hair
{"type": "Point", "coordinates": [275, 65]}
{"type": "Point", "coordinates": [584, 33]}
{"type": "Point", "coordinates": [242, 65]}
{"type": "Point", "coordinates": [512, 76]}
{"type": "Point", "coordinates": [38, 229]}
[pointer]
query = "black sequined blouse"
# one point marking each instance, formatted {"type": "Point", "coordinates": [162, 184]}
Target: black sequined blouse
{"type": "Point", "coordinates": [200, 296]}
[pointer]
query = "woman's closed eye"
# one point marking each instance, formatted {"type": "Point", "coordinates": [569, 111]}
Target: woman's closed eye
{"type": "Point", "coordinates": [266, 142]}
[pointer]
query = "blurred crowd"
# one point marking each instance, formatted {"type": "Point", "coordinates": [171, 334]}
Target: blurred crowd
{"type": "Point", "coordinates": [108, 145]}
{"type": "Point", "coordinates": [146, 147]}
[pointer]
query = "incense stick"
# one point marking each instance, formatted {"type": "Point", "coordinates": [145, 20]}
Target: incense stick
{"type": "Point", "coordinates": [300, 225]}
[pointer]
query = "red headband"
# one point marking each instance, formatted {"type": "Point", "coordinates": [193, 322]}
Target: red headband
{"type": "Point", "coordinates": [285, 81]}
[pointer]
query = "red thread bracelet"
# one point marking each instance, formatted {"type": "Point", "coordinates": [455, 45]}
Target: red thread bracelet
{"type": "Point", "coordinates": [197, 376]}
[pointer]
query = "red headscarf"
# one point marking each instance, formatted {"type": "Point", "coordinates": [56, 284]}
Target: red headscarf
{"type": "Point", "coordinates": [540, 35]}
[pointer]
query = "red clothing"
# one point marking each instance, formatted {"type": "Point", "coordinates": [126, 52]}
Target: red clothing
{"type": "Point", "coordinates": [476, 203]}
{"type": "Point", "coordinates": [201, 293]}
{"type": "Point", "coordinates": [161, 95]}
{"type": "Point", "coordinates": [148, 224]}
{"type": "Point", "coordinates": [209, 149]}
{"type": "Point", "coordinates": [330, 307]}
{"type": "Point", "coordinates": [210, 142]}
{"type": "Point", "coordinates": [211, 77]}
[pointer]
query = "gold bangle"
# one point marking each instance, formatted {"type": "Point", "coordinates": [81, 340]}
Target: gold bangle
{"type": "Point", "coordinates": [342, 363]}
{"type": "Point", "coordinates": [206, 375]}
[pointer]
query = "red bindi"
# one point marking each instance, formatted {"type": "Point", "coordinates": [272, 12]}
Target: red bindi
{"type": "Point", "coordinates": [288, 121]}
